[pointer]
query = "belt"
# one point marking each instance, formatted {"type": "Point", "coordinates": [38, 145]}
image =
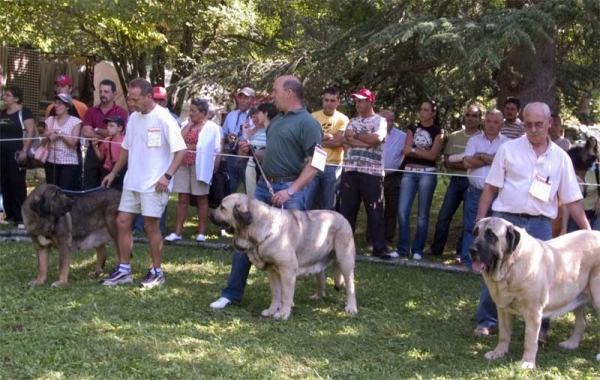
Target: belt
{"type": "Point", "coordinates": [523, 215]}
{"type": "Point", "coordinates": [281, 179]}
{"type": "Point", "coordinates": [420, 169]}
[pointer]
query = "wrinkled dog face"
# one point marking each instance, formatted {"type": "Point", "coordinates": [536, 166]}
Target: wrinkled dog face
{"type": "Point", "coordinates": [234, 211]}
{"type": "Point", "coordinates": [51, 202]}
{"type": "Point", "coordinates": [495, 238]}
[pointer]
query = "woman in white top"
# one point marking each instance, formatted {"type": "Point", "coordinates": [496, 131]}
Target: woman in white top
{"type": "Point", "coordinates": [61, 135]}
{"type": "Point", "coordinates": [193, 178]}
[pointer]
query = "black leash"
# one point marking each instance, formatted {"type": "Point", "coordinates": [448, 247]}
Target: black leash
{"type": "Point", "coordinates": [82, 192]}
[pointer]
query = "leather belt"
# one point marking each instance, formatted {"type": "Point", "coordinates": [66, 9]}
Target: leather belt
{"type": "Point", "coordinates": [281, 179]}
{"type": "Point", "coordinates": [420, 169]}
{"type": "Point", "coordinates": [523, 215]}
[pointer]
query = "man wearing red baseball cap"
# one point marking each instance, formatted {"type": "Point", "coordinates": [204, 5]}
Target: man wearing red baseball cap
{"type": "Point", "coordinates": [363, 171]}
{"type": "Point", "coordinates": [160, 96]}
{"type": "Point", "coordinates": [64, 85]}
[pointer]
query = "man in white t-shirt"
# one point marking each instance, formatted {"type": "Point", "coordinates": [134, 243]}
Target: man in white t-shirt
{"type": "Point", "coordinates": [153, 149]}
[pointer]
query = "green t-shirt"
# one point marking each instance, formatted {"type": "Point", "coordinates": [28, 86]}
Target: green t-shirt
{"type": "Point", "coordinates": [291, 138]}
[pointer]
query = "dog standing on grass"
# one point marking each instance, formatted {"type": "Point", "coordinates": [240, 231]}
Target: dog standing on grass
{"type": "Point", "coordinates": [54, 220]}
{"type": "Point", "coordinates": [536, 279]}
{"type": "Point", "coordinates": [291, 243]}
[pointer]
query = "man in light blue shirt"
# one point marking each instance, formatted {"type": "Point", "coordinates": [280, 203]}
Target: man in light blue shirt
{"type": "Point", "coordinates": [233, 133]}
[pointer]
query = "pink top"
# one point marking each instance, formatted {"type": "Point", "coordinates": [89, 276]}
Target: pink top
{"type": "Point", "coordinates": [58, 151]}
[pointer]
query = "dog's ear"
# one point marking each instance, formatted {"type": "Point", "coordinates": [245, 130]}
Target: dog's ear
{"type": "Point", "coordinates": [476, 230]}
{"type": "Point", "coordinates": [513, 237]}
{"type": "Point", "coordinates": [60, 204]}
{"type": "Point", "coordinates": [39, 205]}
{"type": "Point", "coordinates": [242, 215]}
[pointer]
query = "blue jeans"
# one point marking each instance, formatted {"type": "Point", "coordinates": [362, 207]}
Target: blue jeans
{"type": "Point", "coordinates": [456, 193]}
{"type": "Point", "coordinates": [327, 182]}
{"type": "Point", "coordinates": [540, 228]}
{"type": "Point", "coordinates": [591, 217]}
{"type": "Point", "coordinates": [240, 267]}
{"type": "Point", "coordinates": [412, 183]}
{"type": "Point", "coordinates": [469, 215]}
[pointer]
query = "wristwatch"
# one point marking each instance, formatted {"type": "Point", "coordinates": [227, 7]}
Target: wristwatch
{"type": "Point", "coordinates": [413, 150]}
{"type": "Point", "coordinates": [95, 130]}
{"type": "Point", "coordinates": [290, 191]}
{"type": "Point", "coordinates": [168, 176]}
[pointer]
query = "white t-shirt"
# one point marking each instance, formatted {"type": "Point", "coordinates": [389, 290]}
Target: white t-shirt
{"type": "Point", "coordinates": [514, 169]}
{"type": "Point", "coordinates": [151, 140]}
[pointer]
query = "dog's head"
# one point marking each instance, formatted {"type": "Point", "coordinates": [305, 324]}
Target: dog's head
{"type": "Point", "coordinates": [48, 200]}
{"type": "Point", "coordinates": [495, 240]}
{"type": "Point", "coordinates": [235, 212]}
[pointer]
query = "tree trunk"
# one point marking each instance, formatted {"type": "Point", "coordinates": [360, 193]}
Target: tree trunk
{"type": "Point", "coordinates": [183, 68]}
{"type": "Point", "coordinates": [526, 75]}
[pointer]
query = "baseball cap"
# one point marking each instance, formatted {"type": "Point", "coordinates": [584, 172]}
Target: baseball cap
{"type": "Point", "coordinates": [364, 93]}
{"type": "Point", "coordinates": [64, 80]}
{"type": "Point", "coordinates": [65, 98]}
{"type": "Point", "coordinates": [115, 119]}
{"type": "Point", "coordinates": [159, 92]}
{"type": "Point", "coordinates": [247, 91]}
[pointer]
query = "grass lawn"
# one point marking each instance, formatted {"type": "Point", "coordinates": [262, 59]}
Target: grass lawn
{"type": "Point", "coordinates": [412, 323]}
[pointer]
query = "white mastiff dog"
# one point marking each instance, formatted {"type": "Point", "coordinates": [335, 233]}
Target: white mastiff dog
{"type": "Point", "coordinates": [536, 279]}
{"type": "Point", "coordinates": [290, 243]}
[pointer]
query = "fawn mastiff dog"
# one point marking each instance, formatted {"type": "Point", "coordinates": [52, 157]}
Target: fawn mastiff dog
{"type": "Point", "coordinates": [536, 279]}
{"type": "Point", "coordinates": [54, 220]}
{"type": "Point", "coordinates": [290, 243]}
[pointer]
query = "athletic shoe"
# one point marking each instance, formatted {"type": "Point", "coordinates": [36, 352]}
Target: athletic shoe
{"type": "Point", "coordinates": [152, 280]}
{"type": "Point", "coordinates": [200, 238]}
{"type": "Point", "coordinates": [417, 257]}
{"type": "Point", "coordinates": [20, 226]}
{"type": "Point", "coordinates": [221, 303]}
{"type": "Point", "coordinates": [173, 237]}
{"type": "Point", "coordinates": [117, 278]}
{"type": "Point", "coordinates": [392, 255]}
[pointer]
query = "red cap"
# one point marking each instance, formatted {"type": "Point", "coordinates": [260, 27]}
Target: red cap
{"type": "Point", "coordinates": [364, 93]}
{"type": "Point", "coordinates": [159, 92]}
{"type": "Point", "coordinates": [64, 80]}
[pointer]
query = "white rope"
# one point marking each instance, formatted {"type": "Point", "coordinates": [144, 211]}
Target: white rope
{"type": "Point", "coordinates": [343, 166]}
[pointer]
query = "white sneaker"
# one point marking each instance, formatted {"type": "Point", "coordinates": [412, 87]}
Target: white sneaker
{"type": "Point", "coordinates": [417, 257]}
{"type": "Point", "coordinates": [21, 226]}
{"type": "Point", "coordinates": [200, 238]}
{"type": "Point", "coordinates": [221, 303]}
{"type": "Point", "coordinates": [3, 222]}
{"type": "Point", "coordinates": [173, 237]}
{"type": "Point", "coordinates": [393, 255]}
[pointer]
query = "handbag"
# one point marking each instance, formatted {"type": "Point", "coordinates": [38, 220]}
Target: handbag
{"type": "Point", "coordinates": [31, 161]}
{"type": "Point", "coordinates": [41, 153]}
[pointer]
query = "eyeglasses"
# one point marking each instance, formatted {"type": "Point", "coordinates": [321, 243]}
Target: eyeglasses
{"type": "Point", "coordinates": [537, 124]}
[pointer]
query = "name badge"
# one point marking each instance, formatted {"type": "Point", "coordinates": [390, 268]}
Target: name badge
{"type": "Point", "coordinates": [154, 137]}
{"type": "Point", "coordinates": [540, 188]}
{"type": "Point", "coordinates": [319, 159]}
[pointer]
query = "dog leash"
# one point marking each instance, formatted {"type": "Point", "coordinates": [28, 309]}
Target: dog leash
{"type": "Point", "coordinates": [261, 170]}
{"type": "Point", "coordinates": [81, 192]}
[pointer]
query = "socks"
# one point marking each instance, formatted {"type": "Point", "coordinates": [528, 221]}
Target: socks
{"type": "Point", "coordinates": [157, 271]}
{"type": "Point", "coordinates": [124, 268]}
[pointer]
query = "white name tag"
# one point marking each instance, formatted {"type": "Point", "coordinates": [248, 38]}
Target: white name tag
{"type": "Point", "coordinates": [540, 188]}
{"type": "Point", "coordinates": [154, 137]}
{"type": "Point", "coordinates": [319, 159]}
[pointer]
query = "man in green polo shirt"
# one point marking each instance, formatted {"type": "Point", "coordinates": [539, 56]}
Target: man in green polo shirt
{"type": "Point", "coordinates": [291, 140]}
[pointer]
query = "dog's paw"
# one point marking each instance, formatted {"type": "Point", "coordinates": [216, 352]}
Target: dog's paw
{"type": "Point", "coordinates": [569, 345]}
{"type": "Point", "coordinates": [317, 296]}
{"type": "Point", "coordinates": [282, 315]}
{"type": "Point", "coordinates": [56, 284]}
{"type": "Point", "coordinates": [351, 309]}
{"type": "Point", "coordinates": [268, 312]}
{"type": "Point", "coordinates": [527, 365]}
{"type": "Point", "coordinates": [496, 354]}
{"type": "Point", "coordinates": [95, 273]}
{"type": "Point", "coordinates": [36, 282]}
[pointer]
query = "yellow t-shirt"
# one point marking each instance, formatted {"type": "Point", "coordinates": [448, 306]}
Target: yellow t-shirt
{"type": "Point", "coordinates": [333, 124]}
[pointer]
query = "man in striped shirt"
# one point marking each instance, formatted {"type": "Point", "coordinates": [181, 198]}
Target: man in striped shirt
{"type": "Point", "coordinates": [513, 126]}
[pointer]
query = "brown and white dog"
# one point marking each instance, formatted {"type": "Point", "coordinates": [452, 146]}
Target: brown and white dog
{"type": "Point", "coordinates": [535, 279]}
{"type": "Point", "coordinates": [54, 220]}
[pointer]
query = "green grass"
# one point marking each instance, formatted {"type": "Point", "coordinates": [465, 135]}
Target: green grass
{"type": "Point", "coordinates": [412, 323]}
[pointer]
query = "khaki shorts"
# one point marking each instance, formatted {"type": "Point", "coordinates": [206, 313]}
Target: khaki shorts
{"type": "Point", "coordinates": [184, 181]}
{"type": "Point", "coordinates": [148, 204]}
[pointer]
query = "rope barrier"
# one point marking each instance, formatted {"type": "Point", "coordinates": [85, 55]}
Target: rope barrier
{"type": "Point", "coordinates": [443, 174]}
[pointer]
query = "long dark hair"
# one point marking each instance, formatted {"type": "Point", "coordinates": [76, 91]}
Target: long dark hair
{"type": "Point", "coordinates": [588, 144]}
{"type": "Point", "coordinates": [434, 108]}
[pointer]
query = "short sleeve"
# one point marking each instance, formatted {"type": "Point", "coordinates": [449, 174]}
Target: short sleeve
{"type": "Point", "coordinates": [498, 169]}
{"type": "Point", "coordinates": [27, 114]}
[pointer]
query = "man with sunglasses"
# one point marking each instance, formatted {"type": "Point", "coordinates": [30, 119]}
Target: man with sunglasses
{"type": "Point", "coordinates": [456, 192]}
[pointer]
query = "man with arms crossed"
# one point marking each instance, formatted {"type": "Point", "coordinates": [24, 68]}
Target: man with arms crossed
{"type": "Point", "coordinates": [153, 149]}
{"type": "Point", "coordinates": [529, 174]}
{"type": "Point", "coordinates": [333, 123]}
{"type": "Point", "coordinates": [291, 141]}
